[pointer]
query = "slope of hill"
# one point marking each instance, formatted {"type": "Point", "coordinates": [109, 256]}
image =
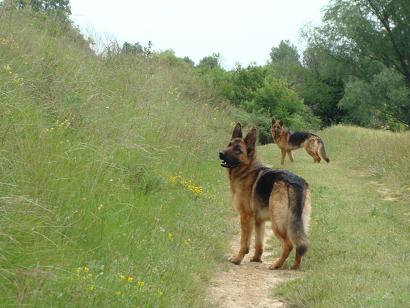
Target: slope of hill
{"type": "Point", "coordinates": [107, 168]}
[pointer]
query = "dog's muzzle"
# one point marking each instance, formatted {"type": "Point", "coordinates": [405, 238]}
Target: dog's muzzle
{"type": "Point", "coordinates": [226, 161]}
{"type": "Point", "coordinates": [222, 157]}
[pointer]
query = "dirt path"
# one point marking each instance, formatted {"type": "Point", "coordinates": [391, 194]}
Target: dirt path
{"type": "Point", "coordinates": [386, 193]}
{"type": "Point", "coordinates": [249, 284]}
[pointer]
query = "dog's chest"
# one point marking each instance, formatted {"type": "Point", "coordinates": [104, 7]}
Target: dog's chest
{"type": "Point", "coordinates": [282, 141]}
{"type": "Point", "coordinates": [241, 200]}
{"type": "Point", "coordinates": [242, 192]}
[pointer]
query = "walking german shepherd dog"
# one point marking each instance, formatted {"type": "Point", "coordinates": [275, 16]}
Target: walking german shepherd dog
{"type": "Point", "coordinates": [289, 141]}
{"type": "Point", "coordinates": [261, 194]}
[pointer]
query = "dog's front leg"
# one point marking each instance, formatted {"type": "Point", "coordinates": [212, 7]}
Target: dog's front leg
{"type": "Point", "coordinates": [259, 235]}
{"type": "Point", "coordinates": [247, 222]}
{"type": "Point", "coordinates": [282, 158]}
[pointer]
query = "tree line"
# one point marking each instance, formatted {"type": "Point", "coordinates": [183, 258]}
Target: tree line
{"type": "Point", "coordinates": [354, 70]}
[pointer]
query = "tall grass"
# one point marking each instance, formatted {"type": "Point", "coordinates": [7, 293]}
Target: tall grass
{"type": "Point", "coordinates": [380, 154]}
{"type": "Point", "coordinates": [90, 214]}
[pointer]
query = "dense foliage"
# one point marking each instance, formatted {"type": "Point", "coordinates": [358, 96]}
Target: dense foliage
{"type": "Point", "coordinates": [50, 6]}
{"type": "Point", "coordinates": [355, 69]}
{"type": "Point", "coordinates": [259, 91]}
{"type": "Point", "coordinates": [364, 46]}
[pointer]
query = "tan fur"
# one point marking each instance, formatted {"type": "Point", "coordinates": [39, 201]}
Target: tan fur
{"type": "Point", "coordinates": [253, 214]}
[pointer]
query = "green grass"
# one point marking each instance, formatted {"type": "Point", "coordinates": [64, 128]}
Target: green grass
{"type": "Point", "coordinates": [88, 147]}
{"type": "Point", "coordinates": [360, 251]}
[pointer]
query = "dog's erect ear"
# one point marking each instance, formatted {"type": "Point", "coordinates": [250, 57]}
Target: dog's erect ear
{"type": "Point", "coordinates": [237, 131]}
{"type": "Point", "coordinates": [250, 141]}
{"type": "Point", "coordinates": [273, 121]}
{"type": "Point", "coordinates": [281, 123]}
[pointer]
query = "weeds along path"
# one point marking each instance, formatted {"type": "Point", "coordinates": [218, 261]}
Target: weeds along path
{"type": "Point", "coordinates": [249, 284]}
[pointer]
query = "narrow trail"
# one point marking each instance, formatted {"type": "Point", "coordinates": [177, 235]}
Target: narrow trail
{"type": "Point", "coordinates": [249, 284]}
{"type": "Point", "coordinates": [386, 193]}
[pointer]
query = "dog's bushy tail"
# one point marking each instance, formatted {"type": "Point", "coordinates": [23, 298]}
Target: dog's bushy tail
{"type": "Point", "coordinates": [322, 151]}
{"type": "Point", "coordinates": [299, 220]}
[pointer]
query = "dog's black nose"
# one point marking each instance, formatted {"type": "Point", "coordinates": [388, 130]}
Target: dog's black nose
{"type": "Point", "coordinates": [221, 155]}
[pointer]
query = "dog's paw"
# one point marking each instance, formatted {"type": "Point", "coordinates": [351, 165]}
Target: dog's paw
{"type": "Point", "coordinates": [235, 260]}
{"type": "Point", "coordinates": [256, 259]}
{"type": "Point", "coordinates": [295, 267]}
{"type": "Point", "coordinates": [276, 266]}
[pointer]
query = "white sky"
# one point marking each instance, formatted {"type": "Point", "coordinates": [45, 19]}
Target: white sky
{"type": "Point", "coordinates": [242, 31]}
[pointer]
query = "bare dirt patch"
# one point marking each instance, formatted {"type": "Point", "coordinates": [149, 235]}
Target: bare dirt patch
{"type": "Point", "coordinates": [386, 193]}
{"type": "Point", "coordinates": [249, 284]}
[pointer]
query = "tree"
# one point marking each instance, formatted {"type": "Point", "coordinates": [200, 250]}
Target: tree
{"type": "Point", "coordinates": [245, 83]}
{"type": "Point", "coordinates": [285, 60]}
{"type": "Point", "coordinates": [130, 48]}
{"type": "Point", "coordinates": [323, 86]}
{"type": "Point", "coordinates": [379, 103]}
{"type": "Point", "coordinates": [369, 41]}
{"type": "Point", "coordinates": [210, 62]}
{"type": "Point", "coordinates": [188, 60]}
{"type": "Point", "coordinates": [286, 54]}
{"type": "Point", "coordinates": [59, 6]}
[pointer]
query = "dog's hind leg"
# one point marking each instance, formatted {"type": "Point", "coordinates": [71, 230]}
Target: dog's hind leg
{"type": "Point", "coordinates": [287, 248]}
{"type": "Point", "coordinates": [311, 151]}
{"type": "Point", "coordinates": [247, 222]}
{"type": "Point", "coordinates": [259, 235]}
{"type": "Point", "coordinates": [312, 148]}
{"type": "Point", "coordinates": [290, 155]}
{"type": "Point", "coordinates": [279, 206]}
{"type": "Point", "coordinates": [298, 259]}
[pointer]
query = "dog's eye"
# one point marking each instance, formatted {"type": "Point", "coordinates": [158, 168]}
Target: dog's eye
{"type": "Point", "coordinates": [238, 150]}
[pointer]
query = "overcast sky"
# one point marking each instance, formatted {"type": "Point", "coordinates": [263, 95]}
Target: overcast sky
{"type": "Point", "coordinates": [242, 31]}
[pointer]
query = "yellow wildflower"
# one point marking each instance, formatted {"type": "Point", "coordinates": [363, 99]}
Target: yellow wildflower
{"type": "Point", "coordinates": [130, 279]}
{"type": "Point", "coordinates": [140, 284]}
{"type": "Point", "coordinates": [188, 185]}
{"type": "Point", "coordinates": [122, 277]}
{"type": "Point", "coordinates": [7, 69]}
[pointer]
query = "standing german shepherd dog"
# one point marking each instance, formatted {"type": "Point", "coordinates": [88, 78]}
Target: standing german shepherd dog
{"type": "Point", "coordinates": [261, 194]}
{"type": "Point", "coordinates": [289, 141]}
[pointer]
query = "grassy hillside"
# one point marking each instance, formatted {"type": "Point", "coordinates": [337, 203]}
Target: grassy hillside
{"type": "Point", "coordinates": [107, 168]}
{"type": "Point", "coordinates": [111, 193]}
{"type": "Point", "coordinates": [360, 221]}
